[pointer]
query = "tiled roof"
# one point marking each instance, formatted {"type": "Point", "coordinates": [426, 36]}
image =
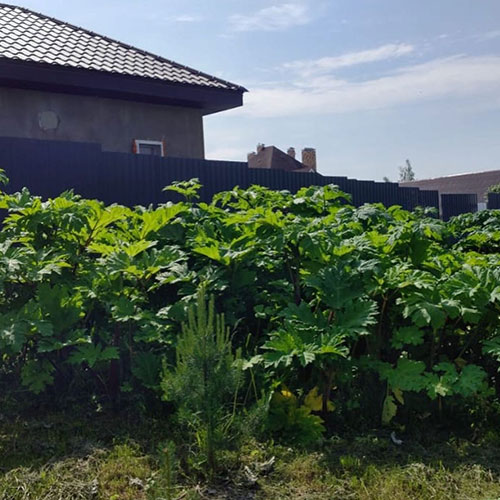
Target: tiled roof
{"type": "Point", "coordinates": [274, 158]}
{"type": "Point", "coordinates": [28, 36]}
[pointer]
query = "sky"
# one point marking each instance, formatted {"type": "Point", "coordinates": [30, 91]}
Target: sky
{"type": "Point", "coordinates": [368, 83]}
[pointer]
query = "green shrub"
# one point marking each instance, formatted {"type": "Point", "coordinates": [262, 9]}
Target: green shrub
{"type": "Point", "coordinates": [206, 377]}
{"type": "Point", "coordinates": [391, 315]}
{"type": "Point", "coordinates": [495, 188]}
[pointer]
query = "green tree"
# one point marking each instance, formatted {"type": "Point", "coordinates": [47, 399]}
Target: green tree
{"type": "Point", "coordinates": [406, 172]}
{"type": "Point", "coordinates": [495, 188]}
{"type": "Point", "coordinates": [206, 377]}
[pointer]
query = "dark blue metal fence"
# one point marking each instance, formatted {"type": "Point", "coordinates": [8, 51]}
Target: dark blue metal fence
{"type": "Point", "coordinates": [494, 200]}
{"type": "Point", "coordinates": [49, 167]}
{"type": "Point", "coordinates": [456, 204]}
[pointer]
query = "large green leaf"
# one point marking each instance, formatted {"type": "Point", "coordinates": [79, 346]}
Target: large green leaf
{"type": "Point", "coordinates": [407, 335]}
{"type": "Point", "coordinates": [356, 317]}
{"type": "Point", "coordinates": [146, 366]}
{"type": "Point", "coordinates": [91, 354]}
{"type": "Point", "coordinates": [37, 375]}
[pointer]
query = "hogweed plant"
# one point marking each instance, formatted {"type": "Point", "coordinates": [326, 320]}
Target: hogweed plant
{"type": "Point", "coordinates": [388, 315]}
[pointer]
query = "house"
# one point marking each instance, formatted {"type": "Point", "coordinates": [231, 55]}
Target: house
{"type": "Point", "coordinates": [273, 158]}
{"type": "Point", "coordinates": [62, 82]}
{"type": "Point", "coordinates": [472, 183]}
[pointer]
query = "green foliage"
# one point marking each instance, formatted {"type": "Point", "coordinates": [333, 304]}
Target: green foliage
{"type": "Point", "coordinates": [3, 177]}
{"type": "Point", "coordinates": [169, 465]}
{"type": "Point", "coordinates": [189, 189]}
{"type": "Point", "coordinates": [406, 173]}
{"type": "Point", "coordinates": [389, 409]}
{"type": "Point", "coordinates": [378, 308]}
{"type": "Point", "coordinates": [305, 337]}
{"type": "Point", "coordinates": [146, 367]}
{"type": "Point", "coordinates": [37, 374]}
{"type": "Point", "coordinates": [92, 354]}
{"type": "Point", "coordinates": [205, 377]}
{"type": "Point", "coordinates": [495, 188]}
{"type": "Point", "coordinates": [292, 421]}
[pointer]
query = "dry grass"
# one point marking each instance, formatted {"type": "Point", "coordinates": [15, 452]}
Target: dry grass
{"type": "Point", "coordinates": [62, 480]}
{"type": "Point", "coordinates": [102, 458]}
{"type": "Point", "coordinates": [303, 479]}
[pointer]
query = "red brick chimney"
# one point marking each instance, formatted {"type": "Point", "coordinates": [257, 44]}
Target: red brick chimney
{"type": "Point", "coordinates": [309, 158]}
{"type": "Point", "coordinates": [291, 152]}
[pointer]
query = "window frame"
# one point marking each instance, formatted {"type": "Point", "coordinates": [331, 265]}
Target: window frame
{"type": "Point", "coordinates": [139, 142]}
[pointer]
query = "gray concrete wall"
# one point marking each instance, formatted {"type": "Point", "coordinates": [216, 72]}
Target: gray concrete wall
{"type": "Point", "coordinates": [111, 122]}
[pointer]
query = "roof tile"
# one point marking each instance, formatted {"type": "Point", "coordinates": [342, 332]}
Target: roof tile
{"type": "Point", "coordinates": [29, 36]}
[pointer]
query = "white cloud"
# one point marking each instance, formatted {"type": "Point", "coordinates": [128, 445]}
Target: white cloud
{"type": "Point", "coordinates": [459, 76]}
{"type": "Point", "coordinates": [327, 64]}
{"type": "Point", "coordinates": [227, 153]}
{"type": "Point", "coordinates": [488, 35]}
{"type": "Point", "coordinates": [274, 18]}
{"type": "Point", "coordinates": [186, 18]}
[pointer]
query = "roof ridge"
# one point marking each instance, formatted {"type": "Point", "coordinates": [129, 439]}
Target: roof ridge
{"type": "Point", "coordinates": [453, 175]}
{"type": "Point", "coordinates": [127, 46]}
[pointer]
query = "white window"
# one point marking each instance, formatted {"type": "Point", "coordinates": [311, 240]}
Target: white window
{"type": "Point", "coordinates": [154, 148]}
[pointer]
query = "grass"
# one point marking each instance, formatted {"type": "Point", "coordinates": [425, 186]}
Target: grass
{"type": "Point", "coordinates": [57, 456]}
{"type": "Point", "coordinates": [307, 477]}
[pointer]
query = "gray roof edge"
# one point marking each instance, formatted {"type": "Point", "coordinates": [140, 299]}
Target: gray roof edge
{"type": "Point", "coordinates": [451, 176]}
{"type": "Point", "coordinates": [232, 86]}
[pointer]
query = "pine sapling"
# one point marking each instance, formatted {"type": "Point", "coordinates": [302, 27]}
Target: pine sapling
{"type": "Point", "coordinates": [206, 376]}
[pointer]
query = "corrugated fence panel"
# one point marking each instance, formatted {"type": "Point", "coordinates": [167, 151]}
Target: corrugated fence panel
{"type": "Point", "coordinates": [49, 167]}
{"type": "Point", "coordinates": [303, 179]}
{"type": "Point", "coordinates": [428, 199]}
{"type": "Point", "coordinates": [259, 176]}
{"type": "Point", "coordinates": [364, 190]}
{"type": "Point", "coordinates": [351, 188]}
{"type": "Point", "coordinates": [128, 180]}
{"type": "Point", "coordinates": [456, 204]}
{"type": "Point", "coordinates": [392, 193]}
{"type": "Point", "coordinates": [223, 176]}
{"type": "Point", "coordinates": [494, 200]}
{"type": "Point", "coordinates": [341, 182]}
{"type": "Point", "coordinates": [279, 180]}
{"type": "Point", "coordinates": [293, 183]}
{"type": "Point", "coordinates": [409, 198]}
{"type": "Point", "coordinates": [378, 194]}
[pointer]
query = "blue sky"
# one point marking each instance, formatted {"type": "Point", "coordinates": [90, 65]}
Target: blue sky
{"type": "Point", "coordinates": [369, 83]}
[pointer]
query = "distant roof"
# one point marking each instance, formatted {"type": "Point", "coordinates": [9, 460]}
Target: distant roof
{"type": "Point", "coordinates": [32, 37]}
{"type": "Point", "coordinates": [272, 157]}
{"type": "Point", "coordinates": [471, 182]}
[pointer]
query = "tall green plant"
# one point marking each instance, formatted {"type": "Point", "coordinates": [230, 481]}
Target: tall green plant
{"type": "Point", "coordinates": [367, 304]}
{"type": "Point", "coordinates": [206, 376]}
